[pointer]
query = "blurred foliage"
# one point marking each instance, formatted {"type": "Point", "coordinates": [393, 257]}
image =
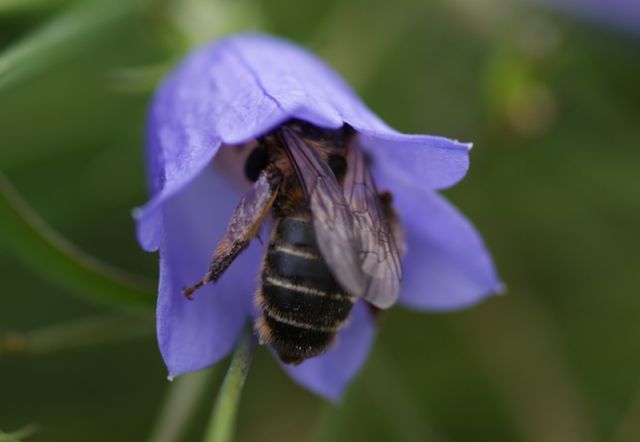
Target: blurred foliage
{"type": "Point", "coordinates": [552, 105]}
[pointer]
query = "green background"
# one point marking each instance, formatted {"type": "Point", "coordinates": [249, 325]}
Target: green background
{"type": "Point", "coordinates": [553, 107]}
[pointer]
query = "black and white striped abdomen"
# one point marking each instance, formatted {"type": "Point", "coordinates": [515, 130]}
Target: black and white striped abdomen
{"type": "Point", "coordinates": [302, 304]}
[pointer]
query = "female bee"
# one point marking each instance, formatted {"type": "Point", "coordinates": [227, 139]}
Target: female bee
{"type": "Point", "coordinates": [334, 237]}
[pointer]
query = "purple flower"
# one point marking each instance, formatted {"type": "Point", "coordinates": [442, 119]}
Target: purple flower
{"type": "Point", "coordinates": [622, 14]}
{"type": "Point", "coordinates": [224, 96]}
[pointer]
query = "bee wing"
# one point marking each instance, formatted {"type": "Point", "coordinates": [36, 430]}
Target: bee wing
{"type": "Point", "coordinates": [379, 254]}
{"type": "Point", "coordinates": [332, 219]}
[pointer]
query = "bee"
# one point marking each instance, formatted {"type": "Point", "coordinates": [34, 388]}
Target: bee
{"type": "Point", "coordinates": [334, 237]}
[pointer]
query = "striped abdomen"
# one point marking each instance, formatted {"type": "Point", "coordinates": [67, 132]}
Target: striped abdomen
{"type": "Point", "coordinates": [302, 304]}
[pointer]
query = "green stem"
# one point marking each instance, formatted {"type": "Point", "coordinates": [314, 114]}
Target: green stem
{"type": "Point", "coordinates": [76, 334]}
{"type": "Point", "coordinates": [52, 255]}
{"type": "Point", "coordinates": [222, 421]}
{"type": "Point", "coordinates": [185, 393]}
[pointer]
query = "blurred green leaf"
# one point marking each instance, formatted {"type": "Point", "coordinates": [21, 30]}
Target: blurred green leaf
{"type": "Point", "coordinates": [53, 256]}
{"type": "Point", "coordinates": [72, 30]}
{"type": "Point", "coordinates": [8, 7]}
{"type": "Point", "coordinates": [140, 79]}
{"type": "Point", "coordinates": [199, 21]}
{"type": "Point", "coordinates": [19, 435]}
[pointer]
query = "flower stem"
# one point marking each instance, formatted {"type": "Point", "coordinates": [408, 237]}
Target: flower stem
{"type": "Point", "coordinates": [222, 421]}
{"type": "Point", "coordinates": [185, 393]}
{"type": "Point", "coordinates": [84, 332]}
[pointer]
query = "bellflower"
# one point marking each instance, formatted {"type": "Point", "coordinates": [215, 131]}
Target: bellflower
{"type": "Point", "coordinates": [621, 14]}
{"type": "Point", "coordinates": [204, 115]}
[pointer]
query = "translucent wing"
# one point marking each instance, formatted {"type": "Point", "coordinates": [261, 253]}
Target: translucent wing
{"type": "Point", "coordinates": [379, 251]}
{"type": "Point", "coordinates": [332, 219]}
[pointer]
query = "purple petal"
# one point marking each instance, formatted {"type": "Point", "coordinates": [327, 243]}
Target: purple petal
{"type": "Point", "coordinates": [305, 87]}
{"type": "Point", "coordinates": [447, 265]}
{"type": "Point", "coordinates": [241, 87]}
{"type": "Point", "coordinates": [329, 374]}
{"type": "Point", "coordinates": [623, 14]}
{"type": "Point", "coordinates": [422, 161]}
{"type": "Point", "coordinates": [179, 147]}
{"type": "Point", "coordinates": [195, 334]}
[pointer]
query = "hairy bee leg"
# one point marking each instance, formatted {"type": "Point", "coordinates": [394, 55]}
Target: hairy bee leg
{"type": "Point", "coordinates": [386, 199]}
{"type": "Point", "coordinates": [244, 224]}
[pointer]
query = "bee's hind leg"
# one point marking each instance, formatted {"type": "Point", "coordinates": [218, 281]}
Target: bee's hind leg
{"type": "Point", "coordinates": [244, 224]}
